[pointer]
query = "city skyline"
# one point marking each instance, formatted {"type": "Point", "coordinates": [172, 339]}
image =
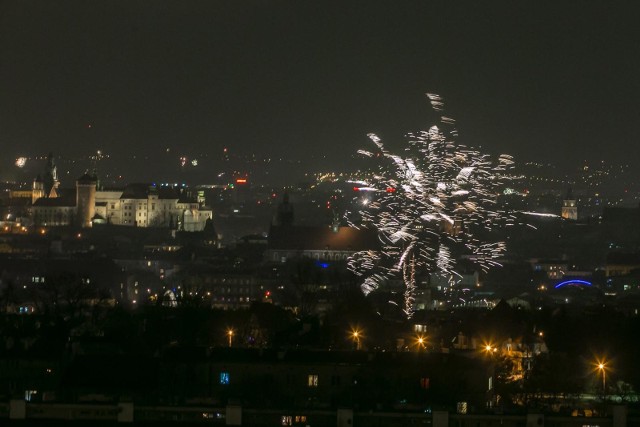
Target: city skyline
{"type": "Point", "coordinates": [286, 212]}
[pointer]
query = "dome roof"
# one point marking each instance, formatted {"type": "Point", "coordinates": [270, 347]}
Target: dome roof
{"type": "Point", "coordinates": [86, 179]}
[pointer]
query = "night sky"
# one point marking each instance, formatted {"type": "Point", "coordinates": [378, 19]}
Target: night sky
{"type": "Point", "coordinates": [534, 79]}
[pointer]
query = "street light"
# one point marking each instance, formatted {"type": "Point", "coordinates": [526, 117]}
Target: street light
{"type": "Point", "coordinates": [355, 334]}
{"type": "Point", "coordinates": [421, 342]}
{"type": "Point", "coordinates": [601, 365]}
{"type": "Point", "coordinates": [488, 348]}
{"type": "Point", "coordinates": [230, 335]}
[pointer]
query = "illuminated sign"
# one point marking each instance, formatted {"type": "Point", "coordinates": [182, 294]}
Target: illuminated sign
{"type": "Point", "coordinates": [573, 282]}
{"type": "Point", "coordinates": [241, 181]}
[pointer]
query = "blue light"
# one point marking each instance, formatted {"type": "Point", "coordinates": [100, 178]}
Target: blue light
{"type": "Point", "coordinates": [322, 264]}
{"type": "Point", "coordinates": [224, 378]}
{"type": "Point", "coordinates": [573, 282]}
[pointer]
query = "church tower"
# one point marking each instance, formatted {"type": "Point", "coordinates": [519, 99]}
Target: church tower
{"type": "Point", "coordinates": [569, 207]}
{"type": "Point", "coordinates": [284, 215]}
{"type": "Point", "coordinates": [51, 182]}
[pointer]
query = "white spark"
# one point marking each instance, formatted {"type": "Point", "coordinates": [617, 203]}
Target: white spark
{"type": "Point", "coordinates": [443, 193]}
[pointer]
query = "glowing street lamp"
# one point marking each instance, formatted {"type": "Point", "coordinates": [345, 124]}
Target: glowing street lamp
{"type": "Point", "coordinates": [601, 365]}
{"type": "Point", "coordinates": [230, 336]}
{"type": "Point", "coordinates": [489, 349]}
{"type": "Point", "coordinates": [356, 335]}
{"type": "Point", "coordinates": [421, 342]}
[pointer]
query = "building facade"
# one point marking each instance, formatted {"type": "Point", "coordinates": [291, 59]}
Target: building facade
{"type": "Point", "coordinates": [570, 207]}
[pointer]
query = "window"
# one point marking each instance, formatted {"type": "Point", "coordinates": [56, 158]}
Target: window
{"type": "Point", "coordinates": [286, 420]}
{"type": "Point", "coordinates": [224, 378]}
{"type": "Point", "coordinates": [420, 328]}
{"type": "Point", "coordinates": [313, 380]}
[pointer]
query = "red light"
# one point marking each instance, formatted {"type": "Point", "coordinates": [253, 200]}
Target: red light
{"type": "Point", "coordinates": [268, 293]}
{"type": "Point", "coordinates": [241, 181]}
{"type": "Point", "coordinates": [391, 190]}
{"type": "Point", "coordinates": [356, 189]}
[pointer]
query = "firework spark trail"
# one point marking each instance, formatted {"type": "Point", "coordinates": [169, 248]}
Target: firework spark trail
{"type": "Point", "coordinates": [428, 206]}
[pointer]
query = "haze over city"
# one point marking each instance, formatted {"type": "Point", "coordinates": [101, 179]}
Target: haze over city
{"type": "Point", "coordinates": [298, 78]}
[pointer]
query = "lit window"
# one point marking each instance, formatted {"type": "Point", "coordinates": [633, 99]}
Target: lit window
{"type": "Point", "coordinates": [313, 380]}
{"type": "Point", "coordinates": [424, 383]}
{"type": "Point", "coordinates": [286, 420]}
{"type": "Point", "coordinates": [224, 378]}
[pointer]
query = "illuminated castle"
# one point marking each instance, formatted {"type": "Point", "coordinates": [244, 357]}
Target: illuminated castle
{"type": "Point", "coordinates": [136, 205]}
{"type": "Point", "coordinates": [50, 207]}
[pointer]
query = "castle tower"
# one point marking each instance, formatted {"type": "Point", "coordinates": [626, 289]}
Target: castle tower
{"type": "Point", "coordinates": [569, 207]}
{"type": "Point", "coordinates": [85, 199]}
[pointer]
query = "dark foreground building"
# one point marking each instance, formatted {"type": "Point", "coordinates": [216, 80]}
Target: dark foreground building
{"type": "Point", "coordinates": [281, 382]}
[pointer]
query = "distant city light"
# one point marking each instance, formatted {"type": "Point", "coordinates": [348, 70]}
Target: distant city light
{"type": "Point", "coordinates": [21, 161]}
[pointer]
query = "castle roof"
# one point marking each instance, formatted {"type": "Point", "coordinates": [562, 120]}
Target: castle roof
{"type": "Point", "coordinates": [86, 179]}
{"type": "Point", "coordinates": [55, 202]}
{"type": "Point", "coordinates": [135, 191]}
{"type": "Point", "coordinates": [322, 238]}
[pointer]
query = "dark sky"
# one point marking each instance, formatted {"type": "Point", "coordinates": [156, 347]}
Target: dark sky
{"type": "Point", "coordinates": [534, 79]}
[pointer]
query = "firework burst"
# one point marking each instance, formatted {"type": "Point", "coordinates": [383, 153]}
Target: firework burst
{"type": "Point", "coordinates": [430, 205]}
